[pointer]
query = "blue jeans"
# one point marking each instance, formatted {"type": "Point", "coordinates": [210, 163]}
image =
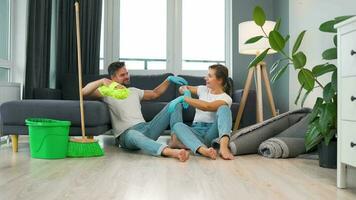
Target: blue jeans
{"type": "Point", "coordinates": [144, 135]}
{"type": "Point", "coordinates": [201, 133]}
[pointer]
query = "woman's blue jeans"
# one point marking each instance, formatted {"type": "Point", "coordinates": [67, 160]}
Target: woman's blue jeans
{"type": "Point", "coordinates": [202, 134]}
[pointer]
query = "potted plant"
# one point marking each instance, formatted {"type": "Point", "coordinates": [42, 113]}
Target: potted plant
{"type": "Point", "coordinates": [323, 118]}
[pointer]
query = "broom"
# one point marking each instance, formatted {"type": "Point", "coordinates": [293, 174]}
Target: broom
{"type": "Point", "coordinates": [82, 147]}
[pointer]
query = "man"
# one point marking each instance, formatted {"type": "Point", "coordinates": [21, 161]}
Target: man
{"type": "Point", "coordinates": [129, 127]}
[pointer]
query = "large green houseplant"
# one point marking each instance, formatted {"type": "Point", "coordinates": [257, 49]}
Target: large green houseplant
{"type": "Point", "coordinates": [323, 119]}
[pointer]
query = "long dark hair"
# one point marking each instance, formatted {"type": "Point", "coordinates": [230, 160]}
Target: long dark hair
{"type": "Point", "coordinates": [222, 73]}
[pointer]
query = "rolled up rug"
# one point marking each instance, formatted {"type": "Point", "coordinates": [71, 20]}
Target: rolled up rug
{"type": "Point", "coordinates": [247, 140]}
{"type": "Point", "coordinates": [288, 144]}
{"type": "Point", "coordinates": [282, 147]}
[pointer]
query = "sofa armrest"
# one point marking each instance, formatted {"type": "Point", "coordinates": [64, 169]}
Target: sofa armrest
{"type": "Point", "coordinates": [47, 93]}
{"type": "Point", "coordinates": [249, 113]}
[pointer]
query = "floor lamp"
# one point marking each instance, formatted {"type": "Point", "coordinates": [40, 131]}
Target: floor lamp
{"type": "Point", "coordinates": [248, 30]}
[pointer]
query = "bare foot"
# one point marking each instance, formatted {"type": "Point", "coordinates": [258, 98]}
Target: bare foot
{"type": "Point", "coordinates": [181, 154]}
{"type": "Point", "coordinates": [174, 143]}
{"type": "Point", "coordinates": [226, 154]}
{"type": "Point", "coordinates": [208, 152]}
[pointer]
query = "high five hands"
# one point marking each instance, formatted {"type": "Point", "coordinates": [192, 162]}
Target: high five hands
{"type": "Point", "coordinates": [177, 80]}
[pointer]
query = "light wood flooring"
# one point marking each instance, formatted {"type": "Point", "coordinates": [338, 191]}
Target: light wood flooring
{"type": "Point", "coordinates": [133, 175]}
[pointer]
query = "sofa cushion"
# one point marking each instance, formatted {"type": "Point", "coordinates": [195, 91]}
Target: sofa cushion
{"type": "Point", "coordinates": [47, 93]}
{"type": "Point", "coordinates": [151, 109]}
{"type": "Point", "coordinates": [69, 84]}
{"type": "Point", "coordinates": [16, 112]}
{"type": "Point", "coordinates": [149, 82]}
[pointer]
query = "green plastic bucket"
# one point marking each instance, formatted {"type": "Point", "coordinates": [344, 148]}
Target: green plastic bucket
{"type": "Point", "coordinates": [48, 138]}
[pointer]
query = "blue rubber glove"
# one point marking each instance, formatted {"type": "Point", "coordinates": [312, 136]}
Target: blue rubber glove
{"type": "Point", "coordinates": [174, 102]}
{"type": "Point", "coordinates": [187, 93]}
{"type": "Point", "coordinates": [177, 80]}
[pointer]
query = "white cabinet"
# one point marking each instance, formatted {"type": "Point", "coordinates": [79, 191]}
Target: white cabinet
{"type": "Point", "coordinates": [348, 40]}
{"type": "Point", "coordinates": [348, 87]}
{"type": "Point", "coordinates": [348, 140]}
{"type": "Point", "coordinates": [346, 131]}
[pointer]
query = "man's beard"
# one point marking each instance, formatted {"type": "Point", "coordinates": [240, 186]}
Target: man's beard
{"type": "Point", "coordinates": [127, 84]}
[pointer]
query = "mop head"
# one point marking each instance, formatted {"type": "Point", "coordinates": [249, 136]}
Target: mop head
{"type": "Point", "coordinates": [113, 91]}
{"type": "Point", "coordinates": [84, 148]}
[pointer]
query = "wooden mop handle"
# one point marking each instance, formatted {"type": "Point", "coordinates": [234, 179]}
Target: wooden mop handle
{"type": "Point", "coordinates": [79, 58]}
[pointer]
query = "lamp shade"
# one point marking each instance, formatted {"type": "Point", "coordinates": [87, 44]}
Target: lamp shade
{"type": "Point", "coordinates": [250, 29]}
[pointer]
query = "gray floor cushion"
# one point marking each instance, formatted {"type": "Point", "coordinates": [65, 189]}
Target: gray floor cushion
{"type": "Point", "coordinates": [287, 142]}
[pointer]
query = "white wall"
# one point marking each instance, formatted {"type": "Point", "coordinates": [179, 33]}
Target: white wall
{"type": "Point", "coordinates": [19, 40]}
{"type": "Point", "coordinates": [308, 15]}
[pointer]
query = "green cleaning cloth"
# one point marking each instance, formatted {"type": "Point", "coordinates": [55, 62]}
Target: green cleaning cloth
{"type": "Point", "coordinates": [112, 91]}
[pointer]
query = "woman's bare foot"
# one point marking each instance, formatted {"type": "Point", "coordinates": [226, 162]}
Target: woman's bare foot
{"type": "Point", "coordinates": [208, 152]}
{"type": "Point", "coordinates": [181, 154]}
{"type": "Point", "coordinates": [225, 152]}
{"type": "Point", "coordinates": [174, 143]}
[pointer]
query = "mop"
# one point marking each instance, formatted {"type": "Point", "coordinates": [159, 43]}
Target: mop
{"type": "Point", "coordinates": [82, 147]}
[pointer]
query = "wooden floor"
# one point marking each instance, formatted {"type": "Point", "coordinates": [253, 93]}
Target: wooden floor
{"type": "Point", "coordinates": [126, 175]}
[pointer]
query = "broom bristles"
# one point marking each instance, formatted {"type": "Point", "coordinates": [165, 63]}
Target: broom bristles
{"type": "Point", "coordinates": [79, 149]}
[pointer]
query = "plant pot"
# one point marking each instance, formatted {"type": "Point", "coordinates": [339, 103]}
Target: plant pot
{"type": "Point", "coordinates": [328, 154]}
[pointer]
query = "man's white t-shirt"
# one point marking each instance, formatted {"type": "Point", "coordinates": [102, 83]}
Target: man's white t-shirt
{"type": "Point", "coordinates": [205, 94]}
{"type": "Point", "coordinates": [125, 113]}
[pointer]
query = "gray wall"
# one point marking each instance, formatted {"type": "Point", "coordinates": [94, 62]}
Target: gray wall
{"type": "Point", "coordinates": [280, 87]}
{"type": "Point", "coordinates": [242, 11]}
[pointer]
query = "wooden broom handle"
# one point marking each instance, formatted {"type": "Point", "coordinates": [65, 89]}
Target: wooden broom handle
{"type": "Point", "coordinates": [79, 58]}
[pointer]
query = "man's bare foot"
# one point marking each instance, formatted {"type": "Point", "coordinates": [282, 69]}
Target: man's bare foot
{"type": "Point", "coordinates": [181, 154]}
{"type": "Point", "coordinates": [208, 152]}
{"type": "Point", "coordinates": [226, 154]}
{"type": "Point", "coordinates": [174, 143]}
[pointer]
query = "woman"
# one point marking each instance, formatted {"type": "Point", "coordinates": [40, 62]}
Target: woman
{"type": "Point", "coordinates": [212, 118]}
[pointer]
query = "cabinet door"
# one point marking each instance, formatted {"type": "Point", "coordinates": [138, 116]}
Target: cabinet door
{"type": "Point", "coordinates": [348, 98]}
{"type": "Point", "coordinates": [348, 140]}
{"type": "Point", "coordinates": [348, 61]}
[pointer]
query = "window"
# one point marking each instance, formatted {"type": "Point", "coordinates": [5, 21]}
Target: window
{"type": "Point", "coordinates": [203, 33]}
{"type": "Point", "coordinates": [4, 74]}
{"type": "Point", "coordinates": [177, 36]}
{"type": "Point", "coordinates": [5, 40]}
{"type": "Point", "coordinates": [5, 29]}
{"type": "Point", "coordinates": [143, 34]}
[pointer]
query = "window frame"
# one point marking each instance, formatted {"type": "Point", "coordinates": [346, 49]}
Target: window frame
{"type": "Point", "coordinates": [174, 39]}
{"type": "Point", "coordinates": [7, 64]}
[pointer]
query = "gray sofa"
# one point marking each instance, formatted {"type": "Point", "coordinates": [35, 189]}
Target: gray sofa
{"type": "Point", "coordinates": [64, 105]}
